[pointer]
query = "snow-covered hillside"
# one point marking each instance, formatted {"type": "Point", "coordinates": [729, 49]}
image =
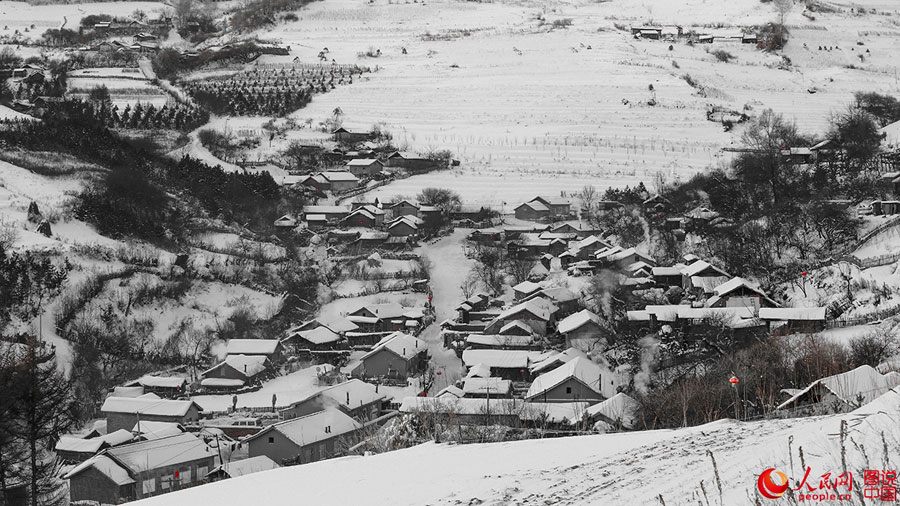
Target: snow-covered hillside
{"type": "Point", "coordinates": [718, 463]}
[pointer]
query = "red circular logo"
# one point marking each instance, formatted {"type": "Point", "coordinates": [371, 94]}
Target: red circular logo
{"type": "Point", "coordinates": [767, 486]}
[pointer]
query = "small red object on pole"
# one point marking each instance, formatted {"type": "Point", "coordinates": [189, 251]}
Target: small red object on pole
{"type": "Point", "coordinates": [734, 380]}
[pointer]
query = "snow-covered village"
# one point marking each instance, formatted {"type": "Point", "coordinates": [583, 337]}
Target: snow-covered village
{"type": "Point", "coordinates": [449, 252]}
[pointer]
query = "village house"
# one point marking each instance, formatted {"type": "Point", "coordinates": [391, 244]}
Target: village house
{"type": "Point", "coordinates": [73, 449]}
{"type": "Point", "coordinates": [358, 399]}
{"type": "Point", "coordinates": [364, 167]}
{"type": "Point", "coordinates": [339, 181]}
{"type": "Point", "coordinates": [243, 467]}
{"type": "Point", "coordinates": [564, 299]}
{"type": "Point", "coordinates": [269, 348]}
{"type": "Point", "coordinates": [738, 292]}
{"type": "Point", "coordinates": [584, 331]}
{"type": "Point", "coordinates": [404, 208]}
{"type": "Point", "coordinates": [502, 342]}
{"type": "Point", "coordinates": [138, 470]}
{"type": "Point", "coordinates": [507, 364]}
{"type": "Point", "coordinates": [125, 412]}
{"type": "Point", "coordinates": [236, 371]}
{"type": "Point", "coordinates": [347, 136]}
{"type": "Point", "coordinates": [311, 438]}
{"type": "Point", "coordinates": [398, 355]}
{"type": "Point", "coordinates": [616, 413]}
{"type": "Point", "coordinates": [849, 389]}
{"type": "Point", "coordinates": [466, 411]}
{"type": "Point", "coordinates": [165, 386]}
{"type": "Point", "coordinates": [553, 360]}
{"type": "Point", "coordinates": [524, 289]}
{"type": "Point", "coordinates": [386, 317]}
{"type": "Point", "coordinates": [363, 217]}
{"type": "Point", "coordinates": [577, 380]}
{"type": "Point", "coordinates": [532, 211]}
{"type": "Point", "coordinates": [285, 222]}
{"type": "Point", "coordinates": [320, 338]}
{"type": "Point", "coordinates": [487, 387]}
{"type": "Point", "coordinates": [404, 226]}
{"type": "Point", "coordinates": [329, 213]}
{"type": "Point", "coordinates": [411, 162]}
{"type": "Point", "coordinates": [793, 320]}
{"type": "Point", "coordinates": [559, 207]}
{"type": "Point", "coordinates": [537, 313]}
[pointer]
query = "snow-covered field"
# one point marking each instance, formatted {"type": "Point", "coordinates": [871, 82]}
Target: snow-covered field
{"type": "Point", "coordinates": [530, 109]}
{"type": "Point", "coordinates": [717, 463]}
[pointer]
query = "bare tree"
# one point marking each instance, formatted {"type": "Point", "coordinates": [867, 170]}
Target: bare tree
{"type": "Point", "coordinates": [588, 196]}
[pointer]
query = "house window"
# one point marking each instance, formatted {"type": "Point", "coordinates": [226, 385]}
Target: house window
{"type": "Point", "coordinates": [165, 481]}
{"type": "Point", "coordinates": [568, 390]}
{"type": "Point", "coordinates": [202, 471]}
{"type": "Point", "coordinates": [186, 475]}
{"type": "Point", "coordinates": [148, 486]}
{"type": "Point", "coordinates": [271, 440]}
{"type": "Point", "coordinates": [322, 451]}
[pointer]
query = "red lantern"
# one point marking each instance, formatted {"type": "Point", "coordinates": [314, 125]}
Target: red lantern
{"type": "Point", "coordinates": [734, 380]}
{"type": "Point", "coordinates": [803, 274]}
{"type": "Point", "coordinates": [438, 373]}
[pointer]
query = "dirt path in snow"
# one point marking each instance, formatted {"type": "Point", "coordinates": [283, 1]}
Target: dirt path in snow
{"type": "Point", "coordinates": [449, 266]}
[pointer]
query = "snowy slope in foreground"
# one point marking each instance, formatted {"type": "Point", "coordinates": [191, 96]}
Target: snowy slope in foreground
{"type": "Point", "coordinates": [631, 468]}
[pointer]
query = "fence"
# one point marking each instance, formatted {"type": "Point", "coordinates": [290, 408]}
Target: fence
{"type": "Point", "coordinates": [866, 318]}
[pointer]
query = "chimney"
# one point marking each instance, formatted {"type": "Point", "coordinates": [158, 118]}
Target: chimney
{"type": "Point", "coordinates": [348, 398]}
{"type": "Point", "coordinates": [404, 352]}
{"type": "Point", "coordinates": [245, 367]}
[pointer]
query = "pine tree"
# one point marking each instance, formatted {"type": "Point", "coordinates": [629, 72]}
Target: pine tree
{"type": "Point", "coordinates": [48, 410]}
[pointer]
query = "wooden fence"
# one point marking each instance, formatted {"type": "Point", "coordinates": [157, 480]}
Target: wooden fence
{"type": "Point", "coordinates": [864, 319]}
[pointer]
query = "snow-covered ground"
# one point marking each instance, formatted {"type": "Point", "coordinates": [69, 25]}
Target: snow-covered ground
{"type": "Point", "coordinates": [530, 109]}
{"type": "Point", "coordinates": [717, 463]}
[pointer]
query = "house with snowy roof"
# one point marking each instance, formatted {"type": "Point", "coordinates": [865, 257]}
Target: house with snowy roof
{"type": "Point", "coordinates": [792, 320]}
{"type": "Point", "coordinates": [411, 162]}
{"type": "Point", "coordinates": [532, 211]}
{"type": "Point", "coordinates": [502, 342]}
{"type": "Point", "coordinates": [404, 226]}
{"type": "Point", "coordinates": [364, 167]}
{"type": "Point", "coordinates": [558, 206]}
{"type": "Point", "coordinates": [125, 412]}
{"type": "Point", "coordinates": [356, 398]}
{"type": "Point", "coordinates": [386, 317]}
{"type": "Point", "coordinates": [269, 348]}
{"type": "Point", "coordinates": [618, 412]}
{"type": "Point", "coordinates": [236, 371]}
{"type": "Point", "coordinates": [311, 438]}
{"type": "Point", "coordinates": [138, 470]}
{"type": "Point", "coordinates": [739, 292]}
{"type": "Point", "coordinates": [398, 355]}
{"type": "Point", "coordinates": [577, 380]}
{"type": "Point", "coordinates": [363, 217]}
{"type": "Point", "coordinates": [702, 277]}
{"type": "Point", "coordinates": [537, 313]}
{"type": "Point", "coordinates": [487, 387]}
{"type": "Point", "coordinates": [525, 288]}
{"type": "Point", "coordinates": [320, 338]}
{"type": "Point", "coordinates": [849, 390]}
{"type": "Point", "coordinates": [554, 360]}
{"type": "Point", "coordinates": [74, 449]}
{"type": "Point", "coordinates": [237, 468]}
{"type": "Point", "coordinates": [329, 213]}
{"type": "Point", "coordinates": [584, 331]}
{"type": "Point", "coordinates": [507, 364]}
{"type": "Point", "coordinates": [164, 386]}
{"type": "Point", "coordinates": [339, 181]}
{"type": "Point", "coordinates": [285, 221]}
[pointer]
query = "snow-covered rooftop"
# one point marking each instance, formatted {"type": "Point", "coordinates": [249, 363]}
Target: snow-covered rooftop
{"type": "Point", "coordinates": [581, 369]}
{"type": "Point", "coordinates": [251, 346]}
{"type": "Point", "coordinates": [577, 320]}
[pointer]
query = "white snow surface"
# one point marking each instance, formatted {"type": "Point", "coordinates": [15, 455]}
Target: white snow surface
{"type": "Point", "coordinates": [611, 469]}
